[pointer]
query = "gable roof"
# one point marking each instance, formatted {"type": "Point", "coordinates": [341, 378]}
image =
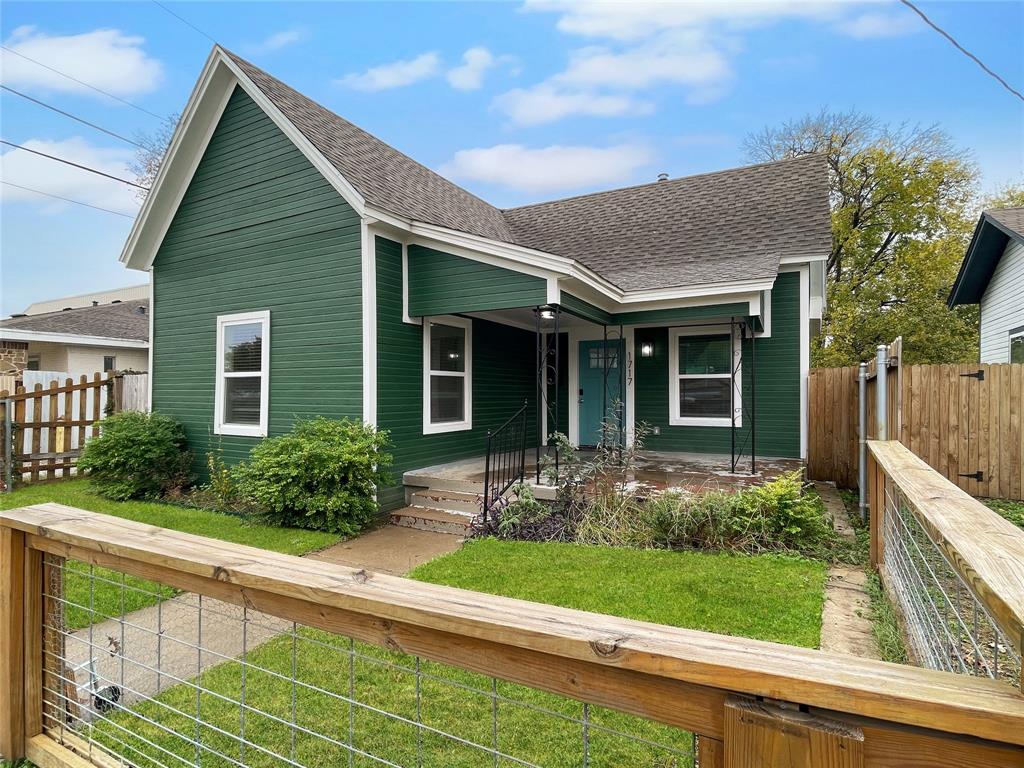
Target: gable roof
{"type": "Point", "coordinates": [995, 229]}
{"type": "Point", "coordinates": [730, 227]}
{"type": "Point", "coordinates": [712, 228]}
{"type": "Point", "coordinates": [122, 320]}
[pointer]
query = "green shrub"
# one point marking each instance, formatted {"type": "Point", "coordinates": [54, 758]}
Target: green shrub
{"type": "Point", "coordinates": [322, 475]}
{"type": "Point", "coordinates": [136, 456]}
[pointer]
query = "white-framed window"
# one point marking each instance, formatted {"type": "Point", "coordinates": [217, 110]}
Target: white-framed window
{"type": "Point", "coordinates": [1016, 345]}
{"type": "Point", "coordinates": [242, 396]}
{"type": "Point", "coordinates": [702, 391]}
{"type": "Point", "coordinates": [109, 363]}
{"type": "Point", "coordinates": [447, 374]}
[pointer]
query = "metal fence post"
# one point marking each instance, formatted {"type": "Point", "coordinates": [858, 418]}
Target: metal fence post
{"type": "Point", "coordinates": [862, 469]}
{"type": "Point", "coordinates": [881, 393]}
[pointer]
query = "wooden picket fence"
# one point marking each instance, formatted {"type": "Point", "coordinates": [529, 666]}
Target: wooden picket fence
{"type": "Point", "coordinates": [45, 428]}
{"type": "Point", "coordinates": [965, 421]}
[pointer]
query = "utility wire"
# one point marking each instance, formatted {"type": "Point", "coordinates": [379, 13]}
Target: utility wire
{"type": "Point", "coordinates": [73, 117]}
{"type": "Point", "coordinates": [76, 165]}
{"type": "Point", "coordinates": [82, 82]}
{"type": "Point", "coordinates": [962, 50]}
{"type": "Point", "coordinates": [185, 21]}
{"type": "Point", "coordinates": [66, 199]}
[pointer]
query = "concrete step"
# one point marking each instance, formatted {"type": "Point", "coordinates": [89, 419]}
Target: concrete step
{"type": "Point", "coordinates": [437, 520]}
{"type": "Point", "coordinates": [443, 499]}
{"type": "Point", "coordinates": [419, 480]}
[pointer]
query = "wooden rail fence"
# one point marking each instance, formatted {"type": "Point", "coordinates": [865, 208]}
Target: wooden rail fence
{"type": "Point", "coordinates": [751, 703]}
{"type": "Point", "coordinates": [49, 425]}
{"type": "Point", "coordinates": [965, 421]}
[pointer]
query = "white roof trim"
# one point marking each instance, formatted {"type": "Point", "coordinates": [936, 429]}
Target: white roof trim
{"type": "Point", "coordinates": [15, 334]}
{"type": "Point", "coordinates": [202, 113]}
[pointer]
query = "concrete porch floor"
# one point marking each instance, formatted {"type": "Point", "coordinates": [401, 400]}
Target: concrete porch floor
{"type": "Point", "coordinates": [657, 470]}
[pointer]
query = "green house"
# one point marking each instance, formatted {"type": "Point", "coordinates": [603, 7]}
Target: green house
{"type": "Point", "coordinates": [299, 266]}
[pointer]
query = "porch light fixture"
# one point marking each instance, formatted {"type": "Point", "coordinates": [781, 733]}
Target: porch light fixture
{"type": "Point", "coordinates": [547, 313]}
{"type": "Point", "coordinates": [647, 349]}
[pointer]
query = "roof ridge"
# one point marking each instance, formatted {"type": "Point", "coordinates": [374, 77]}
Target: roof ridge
{"type": "Point", "coordinates": [673, 182]}
{"type": "Point", "coordinates": [359, 128]}
{"type": "Point", "coordinates": [70, 310]}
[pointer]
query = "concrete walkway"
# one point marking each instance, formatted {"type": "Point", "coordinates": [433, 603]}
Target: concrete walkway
{"type": "Point", "coordinates": [846, 616]}
{"type": "Point", "coordinates": [155, 648]}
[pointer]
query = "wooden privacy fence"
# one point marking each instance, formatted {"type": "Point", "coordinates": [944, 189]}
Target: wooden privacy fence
{"type": "Point", "coordinates": [749, 703]}
{"type": "Point", "coordinates": [965, 421]}
{"type": "Point", "coordinates": [45, 427]}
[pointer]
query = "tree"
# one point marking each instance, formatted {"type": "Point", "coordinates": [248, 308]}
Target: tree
{"type": "Point", "coordinates": [148, 157]}
{"type": "Point", "coordinates": [901, 219]}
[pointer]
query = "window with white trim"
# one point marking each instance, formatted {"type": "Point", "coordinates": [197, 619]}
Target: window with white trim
{"type": "Point", "coordinates": [1017, 345]}
{"type": "Point", "coordinates": [447, 375]}
{"type": "Point", "coordinates": [243, 374]}
{"type": "Point", "coordinates": [701, 386]}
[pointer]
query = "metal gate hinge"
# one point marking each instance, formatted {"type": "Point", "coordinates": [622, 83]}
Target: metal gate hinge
{"type": "Point", "coordinates": [979, 476]}
{"type": "Point", "coordinates": [979, 375]}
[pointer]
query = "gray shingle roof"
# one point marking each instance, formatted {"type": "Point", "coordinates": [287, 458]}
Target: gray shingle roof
{"type": "Point", "coordinates": [116, 321]}
{"type": "Point", "coordinates": [1010, 218]}
{"type": "Point", "coordinates": [715, 227]}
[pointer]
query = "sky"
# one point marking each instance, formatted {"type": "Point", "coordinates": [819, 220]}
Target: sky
{"type": "Point", "coordinates": [517, 102]}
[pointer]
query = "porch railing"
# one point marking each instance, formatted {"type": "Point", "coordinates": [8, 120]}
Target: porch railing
{"type": "Point", "coordinates": [505, 459]}
{"type": "Point", "coordinates": [254, 658]}
{"type": "Point", "coordinates": [954, 568]}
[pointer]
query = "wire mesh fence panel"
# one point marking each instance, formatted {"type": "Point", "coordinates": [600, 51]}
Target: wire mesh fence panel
{"type": "Point", "coordinates": [947, 626]}
{"type": "Point", "coordinates": [145, 676]}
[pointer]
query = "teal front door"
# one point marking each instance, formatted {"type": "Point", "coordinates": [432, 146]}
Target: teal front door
{"type": "Point", "coordinates": [597, 391]}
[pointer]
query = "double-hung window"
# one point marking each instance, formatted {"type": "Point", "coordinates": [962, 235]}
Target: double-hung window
{"type": "Point", "coordinates": [702, 388]}
{"type": "Point", "coordinates": [243, 374]}
{"type": "Point", "coordinates": [447, 375]}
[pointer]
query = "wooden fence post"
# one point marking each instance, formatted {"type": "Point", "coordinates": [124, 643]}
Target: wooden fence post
{"type": "Point", "coordinates": [710, 752]}
{"type": "Point", "coordinates": [876, 506]}
{"type": "Point", "coordinates": [12, 644]}
{"type": "Point", "coordinates": [761, 735]}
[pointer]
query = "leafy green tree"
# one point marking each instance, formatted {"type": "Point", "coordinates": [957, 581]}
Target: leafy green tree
{"type": "Point", "coordinates": [901, 218]}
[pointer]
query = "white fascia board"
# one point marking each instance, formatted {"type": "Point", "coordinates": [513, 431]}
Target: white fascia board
{"type": "Point", "coordinates": [202, 114]}
{"type": "Point", "coordinates": [802, 259]}
{"type": "Point", "coordinates": [12, 334]}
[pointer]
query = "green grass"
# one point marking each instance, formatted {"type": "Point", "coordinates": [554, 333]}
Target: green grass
{"type": "Point", "coordinates": [106, 595]}
{"type": "Point", "coordinates": [1011, 510]}
{"type": "Point", "coordinates": [767, 597]}
{"type": "Point", "coordinates": [885, 623]}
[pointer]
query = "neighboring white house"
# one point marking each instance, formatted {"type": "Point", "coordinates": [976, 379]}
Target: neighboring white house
{"type": "Point", "coordinates": [130, 293]}
{"type": "Point", "coordinates": [992, 275]}
{"type": "Point", "coordinates": [77, 340]}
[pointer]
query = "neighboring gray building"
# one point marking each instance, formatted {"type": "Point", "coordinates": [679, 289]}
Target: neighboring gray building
{"type": "Point", "coordinates": [83, 340]}
{"type": "Point", "coordinates": [992, 275]}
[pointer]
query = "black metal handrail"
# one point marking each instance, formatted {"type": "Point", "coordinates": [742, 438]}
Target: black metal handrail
{"type": "Point", "coordinates": [505, 460]}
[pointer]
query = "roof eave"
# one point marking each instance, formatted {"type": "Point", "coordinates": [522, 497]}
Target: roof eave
{"type": "Point", "coordinates": [19, 334]}
{"type": "Point", "coordinates": [983, 254]}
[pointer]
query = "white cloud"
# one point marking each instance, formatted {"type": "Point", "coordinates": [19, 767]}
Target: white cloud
{"type": "Point", "coordinates": [469, 76]}
{"type": "Point", "coordinates": [104, 58]}
{"type": "Point", "coordinates": [55, 178]}
{"type": "Point", "coordinates": [547, 169]}
{"type": "Point", "coordinates": [394, 75]}
{"type": "Point", "coordinates": [873, 25]}
{"type": "Point", "coordinates": [547, 103]}
{"type": "Point", "coordinates": [282, 39]}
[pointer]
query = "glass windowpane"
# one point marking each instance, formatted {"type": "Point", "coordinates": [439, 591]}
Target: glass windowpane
{"type": "Point", "coordinates": [704, 354]}
{"type": "Point", "coordinates": [242, 399]}
{"type": "Point", "coordinates": [704, 397]}
{"type": "Point", "coordinates": [447, 348]}
{"type": "Point", "coordinates": [1017, 349]}
{"type": "Point", "coordinates": [447, 399]}
{"type": "Point", "coordinates": [243, 347]}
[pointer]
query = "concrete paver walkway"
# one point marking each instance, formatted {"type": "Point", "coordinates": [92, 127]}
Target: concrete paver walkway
{"type": "Point", "coordinates": [155, 648]}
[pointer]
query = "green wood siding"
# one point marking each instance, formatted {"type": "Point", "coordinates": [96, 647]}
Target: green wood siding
{"type": "Point", "coordinates": [778, 386]}
{"type": "Point", "coordinates": [739, 310]}
{"type": "Point", "coordinates": [258, 228]}
{"type": "Point", "coordinates": [443, 284]}
{"type": "Point", "coordinates": [503, 377]}
{"type": "Point", "coordinates": [584, 309]}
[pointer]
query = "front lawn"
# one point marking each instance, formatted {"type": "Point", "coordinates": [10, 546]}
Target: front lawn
{"type": "Point", "coordinates": [768, 597]}
{"type": "Point", "coordinates": [1011, 510]}
{"type": "Point", "coordinates": [106, 593]}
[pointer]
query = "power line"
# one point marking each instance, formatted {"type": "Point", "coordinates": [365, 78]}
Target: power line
{"type": "Point", "coordinates": [66, 199]}
{"type": "Point", "coordinates": [962, 50]}
{"type": "Point", "coordinates": [73, 117]}
{"type": "Point", "coordinates": [76, 165]}
{"type": "Point", "coordinates": [185, 21]}
{"type": "Point", "coordinates": [82, 82]}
